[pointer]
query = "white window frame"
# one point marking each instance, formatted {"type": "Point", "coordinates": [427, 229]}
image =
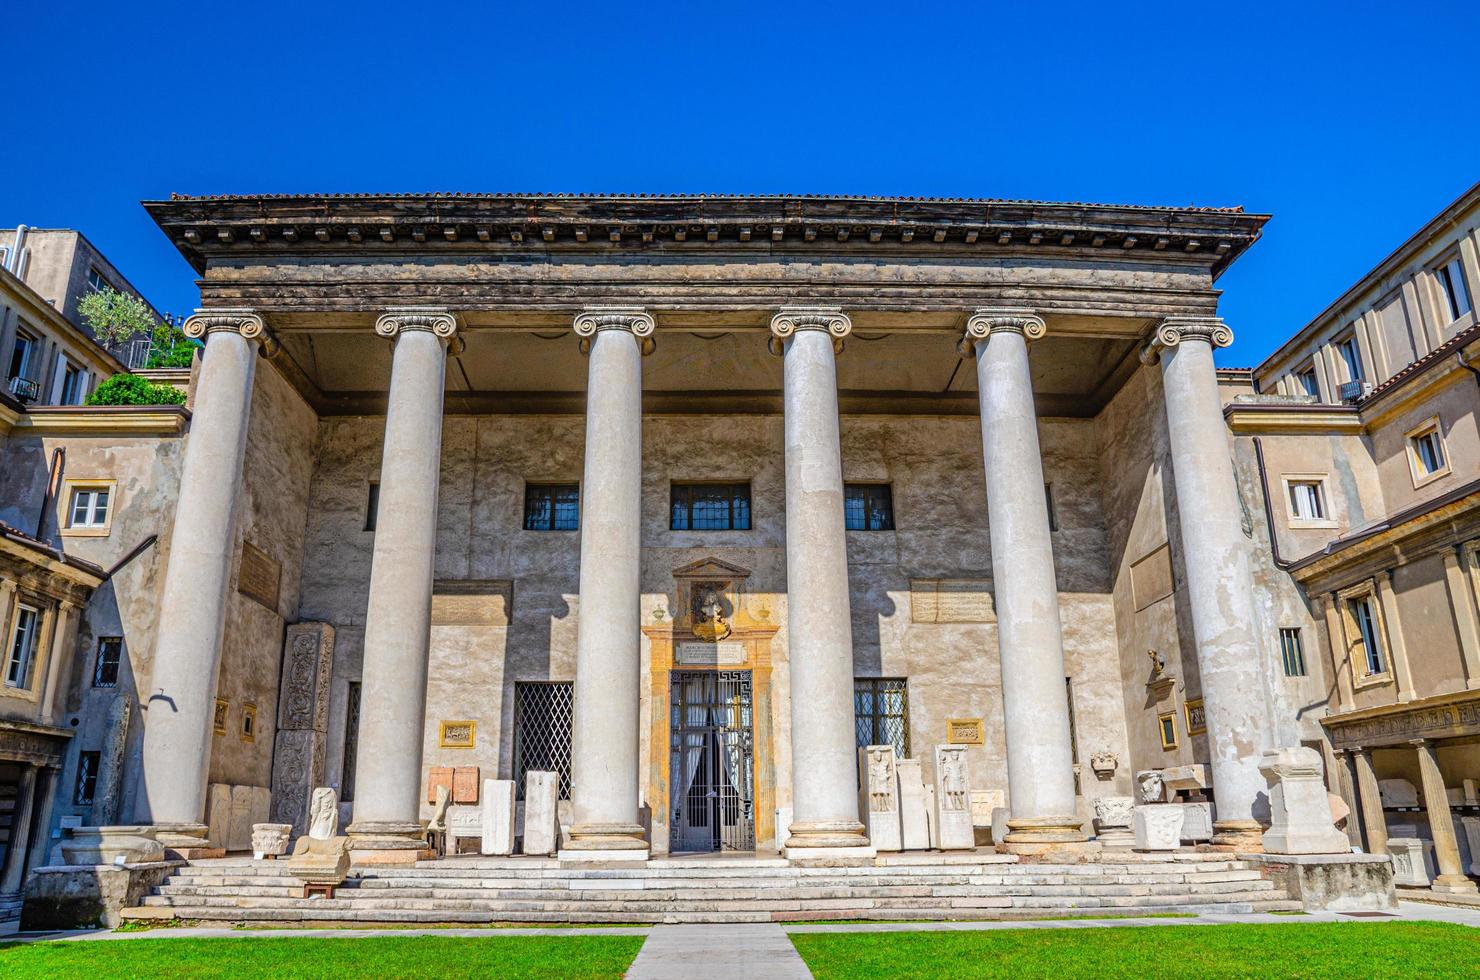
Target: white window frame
{"type": "Point", "coordinates": [1295, 518]}
{"type": "Point", "coordinates": [1355, 638]}
{"type": "Point", "coordinates": [1417, 468]}
{"type": "Point", "coordinates": [23, 663]}
{"type": "Point", "coordinates": [30, 342]}
{"type": "Point", "coordinates": [1299, 378]}
{"type": "Point", "coordinates": [1352, 366]}
{"type": "Point", "coordinates": [1450, 286]}
{"type": "Point", "coordinates": [91, 528]}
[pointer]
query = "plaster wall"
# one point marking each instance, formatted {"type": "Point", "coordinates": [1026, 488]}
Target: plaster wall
{"type": "Point", "coordinates": [1427, 627]}
{"type": "Point", "coordinates": [1456, 401]}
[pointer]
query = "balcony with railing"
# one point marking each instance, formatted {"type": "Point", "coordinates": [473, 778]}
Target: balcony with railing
{"type": "Point", "coordinates": [24, 389]}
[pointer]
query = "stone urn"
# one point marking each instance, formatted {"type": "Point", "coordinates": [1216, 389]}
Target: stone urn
{"type": "Point", "coordinates": [127, 844]}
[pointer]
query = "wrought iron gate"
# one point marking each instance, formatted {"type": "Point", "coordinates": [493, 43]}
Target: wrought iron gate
{"type": "Point", "coordinates": [712, 762]}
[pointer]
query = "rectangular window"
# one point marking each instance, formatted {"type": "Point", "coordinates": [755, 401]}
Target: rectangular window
{"type": "Point", "coordinates": [868, 507]}
{"type": "Point", "coordinates": [1429, 451]}
{"type": "Point", "coordinates": [95, 281]}
{"type": "Point", "coordinates": [1451, 276]}
{"type": "Point", "coordinates": [709, 507]}
{"type": "Point", "coordinates": [1365, 618]}
{"type": "Point", "coordinates": [22, 648]}
{"type": "Point", "coordinates": [372, 505]}
{"type": "Point", "coordinates": [881, 712]}
{"type": "Point", "coordinates": [20, 354]}
{"type": "Point", "coordinates": [1351, 356]}
{"type": "Point", "coordinates": [89, 507]}
{"type": "Point", "coordinates": [542, 726]}
{"type": "Point", "coordinates": [72, 382]}
{"type": "Point", "coordinates": [110, 657]}
{"type": "Point", "coordinates": [1307, 500]}
{"type": "Point", "coordinates": [1307, 383]}
{"type": "Point", "coordinates": [1291, 653]}
{"type": "Point", "coordinates": [351, 744]}
{"type": "Point", "coordinates": [87, 777]}
{"type": "Point", "coordinates": [552, 507]}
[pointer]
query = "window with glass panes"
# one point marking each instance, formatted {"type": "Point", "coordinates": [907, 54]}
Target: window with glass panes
{"type": "Point", "coordinates": [110, 656]}
{"type": "Point", "coordinates": [1365, 618]}
{"type": "Point", "coordinates": [881, 712]}
{"type": "Point", "coordinates": [552, 507]}
{"type": "Point", "coordinates": [1291, 652]}
{"type": "Point", "coordinates": [1307, 501]}
{"type": "Point", "coordinates": [1429, 451]}
{"type": "Point", "coordinates": [90, 507]}
{"type": "Point", "coordinates": [22, 651]}
{"type": "Point", "coordinates": [709, 507]}
{"type": "Point", "coordinates": [87, 777]}
{"type": "Point", "coordinates": [868, 507]}
{"type": "Point", "coordinates": [1451, 276]}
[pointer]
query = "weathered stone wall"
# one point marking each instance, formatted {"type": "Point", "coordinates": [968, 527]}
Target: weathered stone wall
{"type": "Point", "coordinates": [933, 464]}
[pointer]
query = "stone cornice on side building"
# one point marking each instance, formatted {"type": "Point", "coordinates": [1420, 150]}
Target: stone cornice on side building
{"type": "Point", "coordinates": [1442, 716]}
{"type": "Point", "coordinates": [116, 420]}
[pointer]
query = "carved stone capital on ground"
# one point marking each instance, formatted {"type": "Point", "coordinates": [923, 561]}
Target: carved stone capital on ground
{"type": "Point", "coordinates": [435, 320]}
{"type": "Point", "coordinates": [788, 321]}
{"type": "Point", "coordinates": [985, 322]}
{"type": "Point", "coordinates": [247, 323]}
{"type": "Point", "coordinates": [634, 320]}
{"type": "Point", "coordinates": [1176, 329]}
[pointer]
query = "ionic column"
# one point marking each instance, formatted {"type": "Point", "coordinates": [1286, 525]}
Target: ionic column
{"type": "Point", "coordinates": [1370, 797]}
{"type": "Point", "coordinates": [398, 622]}
{"type": "Point", "coordinates": [1452, 879]}
{"type": "Point", "coordinates": [13, 873]}
{"type": "Point", "coordinates": [1040, 759]}
{"type": "Point", "coordinates": [604, 743]}
{"type": "Point", "coordinates": [819, 630]}
{"type": "Point", "coordinates": [180, 702]}
{"type": "Point", "coordinates": [63, 642]}
{"type": "Point", "coordinates": [1215, 556]}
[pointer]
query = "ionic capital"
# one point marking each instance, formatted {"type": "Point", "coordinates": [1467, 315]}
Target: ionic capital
{"type": "Point", "coordinates": [247, 323]}
{"type": "Point", "coordinates": [1176, 329]}
{"type": "Point", "coordinates": [634, 320]}
{"type": "Point", "coordinates": [834, 322]}
{"type": "Point", "coordinates": [436, 320]}
{"type": "Point", "coordinates": [985, 322]}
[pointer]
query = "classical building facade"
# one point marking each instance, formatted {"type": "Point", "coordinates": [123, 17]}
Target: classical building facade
{"type": "Point", "coordinates": [688, 498]}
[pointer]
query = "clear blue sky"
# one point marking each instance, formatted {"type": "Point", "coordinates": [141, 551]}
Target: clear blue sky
{"type": "Point", "coordinates": [1352, 123]}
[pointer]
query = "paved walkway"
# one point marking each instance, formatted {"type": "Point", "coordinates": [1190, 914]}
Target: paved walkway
{"type": "Point", "coordinates": [750, 950]}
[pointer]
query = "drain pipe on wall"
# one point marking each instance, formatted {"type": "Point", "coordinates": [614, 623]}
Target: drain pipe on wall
{"type": "Point", "coordinates": [135, 552]}
{"type": "Point", "coordinates": [1464, 362]}
{"type": "Point", "coordinates": [1274, 538]}
{"type": "Point", "coordinates": [58, 460]}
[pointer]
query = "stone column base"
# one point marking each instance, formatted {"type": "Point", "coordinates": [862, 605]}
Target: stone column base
{"type": "Point", "coordinates": [388, 842]}
{"type": "Point", "coordinates": [186, 841]}
{"type": "Point", "coordinates": [1036, 835]}
{"type": "Point", "coordinates": [1246, 836]}
{"type": "Point", "coordinates": [1453, 885]}
{"type": "Point", "coordinates": [602, 842]}
{"type": "Point", "coordinates": [828, 841]}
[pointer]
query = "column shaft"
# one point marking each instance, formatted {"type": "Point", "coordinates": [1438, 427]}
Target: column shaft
{"type": "Point", "coordinates": [1452, 878]}
{"type": "Point", "coordinates": [819, 628]}
{"type": "Point", "coordinates": [604, 746]}
{"type": "Point", "coordinates": [387, 805]}
{"type": "Point", "coordinates": [1373, 819]}
{"type": "Point", "coordinates": [180, 702]}
{"type": "Point", "coordinates": [1040, 760]}
{"type": "Point", "coordinates": [1215, 557]}
{"type": "Point", "coordinates": [13, 875]}
{"type": "Point", "coordinates": [63, 642]}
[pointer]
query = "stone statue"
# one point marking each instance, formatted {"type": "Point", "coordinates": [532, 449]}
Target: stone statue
{"type": "Point", "coordinates": [953, 781]}
{"type": "Point", "coordinates": [880, 782]}
{"type": "Point", "coordinates": [1150, 786]}
{"type": "Point", "coordinates": [323, 814]}
{"type": "Point", "coordinates": [710, 621]}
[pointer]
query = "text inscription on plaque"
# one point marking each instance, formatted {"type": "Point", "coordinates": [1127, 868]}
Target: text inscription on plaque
{"type": "Point", "coordinates": [710, 654]}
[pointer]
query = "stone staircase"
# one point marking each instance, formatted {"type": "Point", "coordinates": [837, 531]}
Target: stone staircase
{"type": "Point", "coordinates": [910, 886]}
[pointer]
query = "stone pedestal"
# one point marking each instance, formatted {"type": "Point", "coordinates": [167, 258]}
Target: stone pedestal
{"type": "Point", "coordinates": [1197, 822]}
{"type": "Point", "coordinates": [1413, 861]}
{"type": "Point", "coordinates": [497, 817]}
{"type": "Point", "coordinates": [1471, 827]}
{"type": "Point", "coordinates": [463, 822]}
{"type": "Point", "coordinates": [270, 840]}
{"type": "Point", "coordinates": [914, 815]}
{"type": "Point", "coordinates": [953, 799]}
{"type": "Point", "coordinates": [1331, 882]}
{"type": "Point", "coordinates": [298, 748]}
{"type": "Point", "coordinates": [90, 896]}
{"type": "Point", "coordinates": [321, 858]}
{"type": "Point", "coordinates": [1113, 822]}
{"type": "Point", "coordinates": [1299, 812]}
{"type": "Point", "coordinates": [878, 799]}
{"type": "Point", "coordinates": [541, 812]}
{"type": "Point", "coordinates": [1157, 826]}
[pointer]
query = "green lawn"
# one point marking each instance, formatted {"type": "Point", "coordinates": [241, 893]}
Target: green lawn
{"type": "Point", "coordinates": [1344, 950]}
{"type": "Point", "coordinates": [379, 958]}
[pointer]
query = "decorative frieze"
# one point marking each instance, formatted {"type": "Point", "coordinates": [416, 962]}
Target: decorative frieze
{"type": "Point", "coordinates": [1454, 716]}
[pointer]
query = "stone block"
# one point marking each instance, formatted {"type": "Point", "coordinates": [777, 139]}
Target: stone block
{"type": "Point", "coordinates": [465, 784]}
{"type": "Point", "coordinates": [999, 823]}
{"type": "Point", "coordinates": [1471, 836]}
{"type": "Point", "coordinates": [1150, 787]}
{"type": "Point", "coordinates": [953, 799]}
{"type": "Point", "coordinates": [130, 844]}
{"type": "Point", "coordinates": [1331, 882]}
{"type": "Point", "coordinates": [239, 826]}
{"type": "Point", "coordinates": [1192, 778]}
{"type": "Point", "coordinates": [218, 813]}
{"type": "Point", "coordinates": [497, 817]}
{"type": "Point", "coordinates": [1472, 791]}
{"type": "Point", "coordinates": [463, 822]}
{"type": "Point", "coordinates": [1113, 821]}
{"type": "Point", "coordinates": [1397, 792]}
{"type": "Point", "coordinates": [88, 897]}
{"type": "Point", "coordinates": [983, 802]}
{"type": "Point", "coordinates": [270, 839]}
{"type": "Point", "coordinates": [1197, 821]}
{"type": "Point", "coordinates": [298, 767]}
{"type": "Point", "coordinates": [1157, 826]}
{"type": "Point", "coordinates": [1299, 813]}
{"type": "Point", "coordinates": [1413, 861]}
{"type": "Point", "coordinates": [914, 817]}
{"type": "Point", "coordinates": [541, 812]}
{"type": "Point", "coordinates": [438, 777]}
{"type": "Point", "coordinates": [308, 657]}
{"type": "Point", "coordinates": [878, 797]}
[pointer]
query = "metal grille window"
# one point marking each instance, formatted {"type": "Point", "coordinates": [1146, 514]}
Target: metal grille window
{"type": "Point", "coordinates": [881, 712]}
{"type": "Point", "coordinates": [542, 725]}
{"type": "Point", "coordinates": [87, 777]}
{"type": "Point", "coordinates": [110, 656]}
{"type": "Point", "coordinates": [552, 507]}
{"type": "Point", "coordinates": [868, 507]}
{"type": "Point", "coordinates": [1291, 653]}
{"type": "Point", "coordinates": [351, 744]}
{"type": "Point", "coordinates": [709, 507]}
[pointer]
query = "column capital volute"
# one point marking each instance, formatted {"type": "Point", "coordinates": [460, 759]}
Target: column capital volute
{"type": "Point", "coordinates": [631, 319]}
{"type": "Point", "coordinates": [984, 322]}
{"type": "Point", "coordinates": [1176, 329]}
{"type": "Point", "coordinates": [436, 320]}
{"type": "Point", "coordinates": [788, 320]}
{"type": "Point", "coordinates": [248, 323]}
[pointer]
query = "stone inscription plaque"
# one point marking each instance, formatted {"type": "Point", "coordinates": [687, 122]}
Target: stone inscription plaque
{"type": "Point", "coordinates": [951, 600]}
{"type": "Point", "coordinates": [472, 602]}
{"type": "Point", "coordinates": [259, 576]}
{"type": "Point", "coordinates": [457, 734]}
{"type": "Point", "coordinates": [964, 731]}
{"type": "Point", "coordinates": [1151, 577]}
{"type": "Point", "coordinates": [720, 654]}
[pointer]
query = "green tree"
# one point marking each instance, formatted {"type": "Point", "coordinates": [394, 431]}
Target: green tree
{"type": "Point", "coordinates": [170, 348]}
{"type": "Point", "coordinates": [130, 389]}
{"type": "Point", "coordinates": [116, 317]}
